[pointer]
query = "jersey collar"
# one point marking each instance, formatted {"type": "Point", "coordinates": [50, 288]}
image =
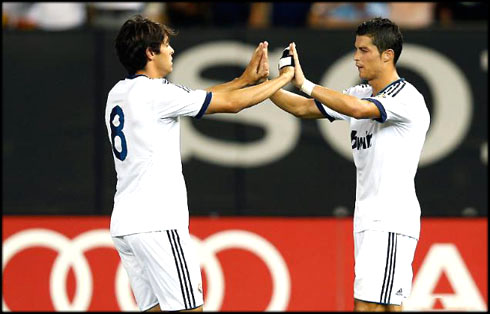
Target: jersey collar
{"type": "Point", "coordinates": [401, 79]}
{"type": "Point", "coordinates": [135, 76]}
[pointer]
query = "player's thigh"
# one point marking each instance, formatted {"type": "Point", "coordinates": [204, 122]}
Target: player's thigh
{"type": "Point", "coordinates": [138, 277]}
{"type": "Point", "coordinates": [172, 267]}
{"type": "Point", "coordinates": [383, 267]}
{"type": "Point", "coordinates": [362, 306]}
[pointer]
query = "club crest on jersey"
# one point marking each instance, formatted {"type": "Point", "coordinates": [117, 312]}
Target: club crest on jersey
{"type": "Point", "coordinates": [360, 142]}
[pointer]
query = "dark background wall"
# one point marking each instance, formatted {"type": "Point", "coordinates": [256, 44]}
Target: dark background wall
{"type": "Point", "coordinates": [57, 157]}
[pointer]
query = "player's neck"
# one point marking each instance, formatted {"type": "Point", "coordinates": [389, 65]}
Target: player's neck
{"type": "Point", "coordinates": [383, 80]}
{"type": "Point", "coordinates": [150, 72]}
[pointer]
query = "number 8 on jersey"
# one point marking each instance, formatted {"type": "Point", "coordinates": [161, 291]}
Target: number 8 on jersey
{"type": "Point", "coordinates": [117, 131]}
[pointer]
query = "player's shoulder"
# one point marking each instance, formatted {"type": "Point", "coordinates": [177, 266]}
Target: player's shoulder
{"type": "Point", "coordinates": [164, 82]}
{"type": "Point", "coordinates": [406, 94]}
{"type": "Point", "coordinates": [120, 87]}
{"type": "Point", "coordinates": [152, 86]}
{"type": "Point", "coordinates": [359, 90]}
{"type": "Point", "coordinates": [401, 91]}
{"type": "Point", "coordinates": [173, 86]}
{"type": "Point", "coordinates": [412, 90]}
{"type": "Point", "coordinates": [400, 88]}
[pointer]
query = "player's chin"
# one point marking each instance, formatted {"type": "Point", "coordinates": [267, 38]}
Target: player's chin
{"type": "Point", "coordinates": [362, 76]}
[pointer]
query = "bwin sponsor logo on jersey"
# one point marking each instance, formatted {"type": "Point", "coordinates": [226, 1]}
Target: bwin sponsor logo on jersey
{"type": "Point", "coordinates": [360, 142]}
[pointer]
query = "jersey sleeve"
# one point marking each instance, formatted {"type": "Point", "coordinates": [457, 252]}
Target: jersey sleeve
{"type": "Point", "coordinates": [391, 109]}
{"type": "Point", "coordinates": [333, 115]}
{"type": "Point", "coordinates": [330, 114]}
{"type": "Point", "coordinates": [176, 100]}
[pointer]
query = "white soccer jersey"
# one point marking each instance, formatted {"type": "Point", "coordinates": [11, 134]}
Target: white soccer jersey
{"type": "Point", "coordinates": [142, 119]}
{"type": "Point", "coordinates": [386, 153]}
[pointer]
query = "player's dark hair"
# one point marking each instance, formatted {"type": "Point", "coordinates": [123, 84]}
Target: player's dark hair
{"type": "Point", "coordinates": [384, 33]}
{"type": "Point", "coordinates": [135, 36]}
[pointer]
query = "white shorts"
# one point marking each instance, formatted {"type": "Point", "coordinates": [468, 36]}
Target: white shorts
{"type": "Point", "coordinates": [383, 266]}
{"type": "Point", "coordinates": [163, 269]}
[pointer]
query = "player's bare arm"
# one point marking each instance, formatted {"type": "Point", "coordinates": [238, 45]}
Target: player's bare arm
{"type": "Point", "coordinates": [345, 104]}
{"type": "Point", "coordinates": [294, 104]}
{"type": "Point", "coordinates": [237, 100]}
{"type": "Point", "coordinates": [253, 73]}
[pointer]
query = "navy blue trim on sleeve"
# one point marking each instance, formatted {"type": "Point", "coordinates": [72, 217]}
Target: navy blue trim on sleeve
{"type": "Point", "coordinates": [322, 110]}
{"type": "Point", "coordinates": [205, 105]}
{"type": "Point", "coordinates": [380, 107]}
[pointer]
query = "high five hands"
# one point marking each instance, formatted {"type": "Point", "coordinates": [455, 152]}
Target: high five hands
{"type": "Point", "coordinates": [299, 77]}
{"type": "Point", "coordinates": [290, 55]}
{"type": "Point", "coordinates": [257, 69]}
{"type": "Point", "coordinates": [289, 62]}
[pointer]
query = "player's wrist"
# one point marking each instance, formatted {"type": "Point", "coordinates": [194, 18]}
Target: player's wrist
{"type": "Point", "coordinates": [307, 87]}
{"type": "Point", "coordinates": [262, 80]}
{"type": "Point", "coordinates": [286, 74]}
{"type": "Point", "coordinates": [285, 60]}
{"type": "Point", "coordinates": [243, 80]}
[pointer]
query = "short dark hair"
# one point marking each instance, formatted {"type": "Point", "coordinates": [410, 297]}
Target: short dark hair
{"type": "Point", "coordinates": [135, 36]}
{"type": "Point", "coordinates": [384, 33]}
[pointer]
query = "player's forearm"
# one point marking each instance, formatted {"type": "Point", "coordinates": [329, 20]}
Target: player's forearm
{"type": "Point", "coordinates": [286, 101]}
{"type": "Point", "coordinates": [234, 84]}
{"type": "Point", "coordinates": [252, 95]}
{"type": "Point", "coordinates": [299, 106]}
{"type": "Point", "coordinates": [345, 104]}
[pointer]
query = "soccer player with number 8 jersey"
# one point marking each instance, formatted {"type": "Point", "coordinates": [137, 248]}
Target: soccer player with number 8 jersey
{"type": "Point", "coordinates": [150, 218]}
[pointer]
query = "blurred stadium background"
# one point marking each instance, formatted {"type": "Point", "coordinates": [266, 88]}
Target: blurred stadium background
{"type": "Point", "coordinates": [257, 182]}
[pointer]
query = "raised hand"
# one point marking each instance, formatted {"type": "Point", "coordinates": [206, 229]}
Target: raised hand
{"type": "Point", "coordinates": [263, 69]}
{"type": "Point", "coordinates": [286, 63]}
{"type": "Point", "coordinates": [252, 72]}
{"type": "Point", "coordinates": [299, 77]}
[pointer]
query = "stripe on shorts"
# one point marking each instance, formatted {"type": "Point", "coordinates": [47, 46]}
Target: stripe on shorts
{"type": "Point", "coordinates": [188, 277]}
{"type": "Point", "coordinates": [183, 272]}
{"type": "Point", "coordinates": [387, 288]}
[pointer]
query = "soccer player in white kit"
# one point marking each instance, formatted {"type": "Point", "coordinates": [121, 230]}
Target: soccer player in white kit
{"type": "Point", "coordinates": [150, 219]}
{"type": "Point", "coordinates": [389, 120]}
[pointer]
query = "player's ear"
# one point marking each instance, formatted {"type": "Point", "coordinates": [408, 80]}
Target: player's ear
{"type": "Point", "coordinates": [388, 55]}
{"type": "Point", "coordinates": [149, 53]}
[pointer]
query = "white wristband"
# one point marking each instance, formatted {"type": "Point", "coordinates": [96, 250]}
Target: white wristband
{"type": "Point", "coordinates": [307, 87]}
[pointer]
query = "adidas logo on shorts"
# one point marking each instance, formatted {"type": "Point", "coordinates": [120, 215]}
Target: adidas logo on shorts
{"type": "Point", "coordinates": [399, 292]}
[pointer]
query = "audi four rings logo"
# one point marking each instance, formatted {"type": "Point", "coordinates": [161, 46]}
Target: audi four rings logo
{"type": "Point", "coordinates": [71, 255]}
